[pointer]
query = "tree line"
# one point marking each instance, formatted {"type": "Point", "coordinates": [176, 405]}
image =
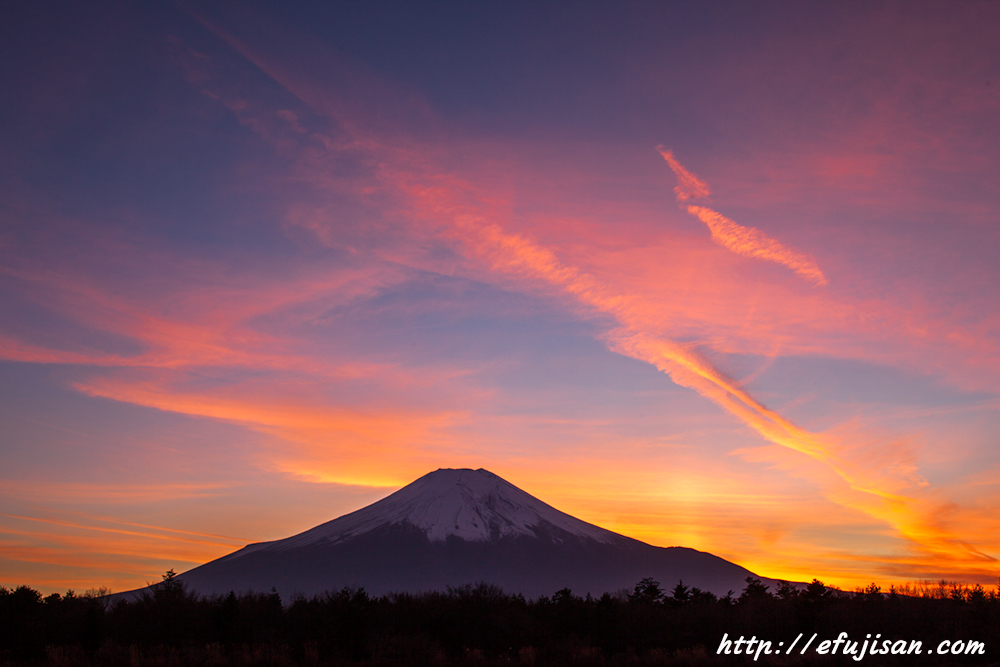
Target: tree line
{"type": "Point", "coordinates": [480, 625]}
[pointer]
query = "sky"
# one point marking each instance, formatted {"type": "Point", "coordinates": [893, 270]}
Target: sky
{"type": "Point", "coordinates": [708, 274]}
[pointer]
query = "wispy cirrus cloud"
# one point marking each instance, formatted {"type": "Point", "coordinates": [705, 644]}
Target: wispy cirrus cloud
{"type": "Point", "coordinates": [688, 185]}
{"type": "Point", "coordinates": [751, 242]}
{"type": "Point", "coordinates": [746, 241]}
{"type": "Point", "coordinates": [324, 337]}
{"type": "Point", "coordinates": [433, 206]}
{"type": "Point", "coordinates": [883, 495]}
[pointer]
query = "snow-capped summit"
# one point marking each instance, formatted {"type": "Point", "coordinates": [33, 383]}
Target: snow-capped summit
{"type": "Point", "coordinates": [472, 505]}
{"type": "Point", "coordinates": [455, 527]}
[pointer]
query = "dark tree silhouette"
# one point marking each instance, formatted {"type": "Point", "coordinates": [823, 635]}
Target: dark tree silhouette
{"type": "Point", "coordinates": [647, 591]}
{"type": "Point", "coordinates": [468, 625]}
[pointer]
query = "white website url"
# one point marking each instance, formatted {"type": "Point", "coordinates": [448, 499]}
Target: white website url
{"type": "Point", "coordinates": [843, 645]}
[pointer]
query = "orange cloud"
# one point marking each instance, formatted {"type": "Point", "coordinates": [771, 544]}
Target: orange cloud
{"type": "Point", "coordinates": [878, 494]}
{"type": "Point", "coordinates": [751, 242]}
{"type": "Point", "coordinates": [209, 324]}
{"type": "Point", "coordinates": [333, 444]}
{"type": "Point", "coordinates": [688, 186]}
{"type": "Point", "coordinates": [746, 241]}
{"type": "Point", "coordinates": [62, 552]}
{"type": "Point", "coordinates": [150, 532]}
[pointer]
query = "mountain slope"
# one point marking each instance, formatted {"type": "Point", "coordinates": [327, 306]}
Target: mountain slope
{"type": "Point", "coordinates": [454, 527]}
{"type": "Point", "coordinates": [472, 505]}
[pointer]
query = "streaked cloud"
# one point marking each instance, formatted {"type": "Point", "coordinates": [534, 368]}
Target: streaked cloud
{"type": "Point", "coordinates": [879, 495]}
{"type": "Point", "coordinates": [751, 242]}
{"type": "Point", "coordinates": [746, 241]}
{"type": "Point", "coordinates": [367, 280]}
{"type": "Point", "coordinates": [688, 186]}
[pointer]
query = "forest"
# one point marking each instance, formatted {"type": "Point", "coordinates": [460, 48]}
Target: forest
{"type": "Point", "coordinates": [483, 625]}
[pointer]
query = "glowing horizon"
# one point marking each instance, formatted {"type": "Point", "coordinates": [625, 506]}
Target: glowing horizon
{"type": "Point", "coordinates": [285, 272]}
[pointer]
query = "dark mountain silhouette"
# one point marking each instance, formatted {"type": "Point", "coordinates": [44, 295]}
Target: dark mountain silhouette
{"type": "Point", "coordinates": [456, 527]}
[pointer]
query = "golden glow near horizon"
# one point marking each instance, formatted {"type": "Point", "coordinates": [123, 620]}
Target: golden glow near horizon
{"type": "Point", "coordinates": [373, 277]}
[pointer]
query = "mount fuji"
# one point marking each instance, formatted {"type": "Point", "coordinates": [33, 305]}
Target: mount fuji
{"type": "Point", "coordinates": [456, 527]}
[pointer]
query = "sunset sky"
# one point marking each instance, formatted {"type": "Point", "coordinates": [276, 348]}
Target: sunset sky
{"type": "Point", "coordinates": [709, 274]}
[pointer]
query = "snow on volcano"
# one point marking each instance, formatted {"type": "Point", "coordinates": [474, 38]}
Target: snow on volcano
{"type": "Point", "coordinates": [455, 527]}
{"type": "Point", "coordinates": [472, 505]}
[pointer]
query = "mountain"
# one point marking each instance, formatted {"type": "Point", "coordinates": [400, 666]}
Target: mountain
{"type": "Point", "coordinates": [456, 527]}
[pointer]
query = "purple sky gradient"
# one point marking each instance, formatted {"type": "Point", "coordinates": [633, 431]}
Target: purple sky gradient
{"type": "Point", "coordinates": [261, 266]}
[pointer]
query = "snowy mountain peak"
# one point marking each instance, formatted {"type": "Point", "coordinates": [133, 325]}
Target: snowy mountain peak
{"type": "Point", "coordinates": [457, 527]}
{"type": "Point", "coordinates": [473, 505]}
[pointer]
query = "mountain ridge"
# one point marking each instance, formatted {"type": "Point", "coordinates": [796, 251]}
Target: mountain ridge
{"type": "Point", "coordinates": [473, 505]}
{"type": "Point", "coordinates": [453, 527]}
